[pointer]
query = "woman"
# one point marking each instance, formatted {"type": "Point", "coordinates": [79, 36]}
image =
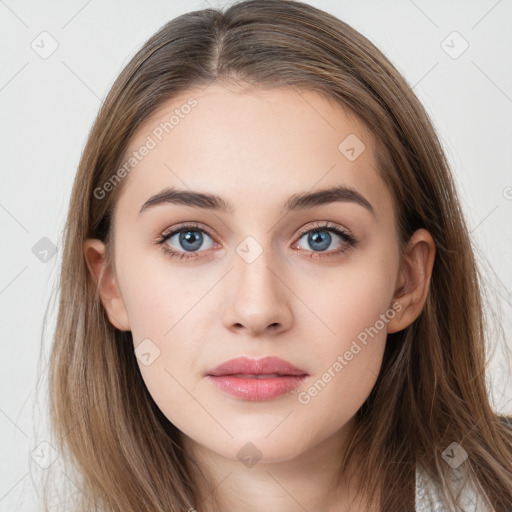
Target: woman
{"type": "Point", "coordinates": [268, 292]}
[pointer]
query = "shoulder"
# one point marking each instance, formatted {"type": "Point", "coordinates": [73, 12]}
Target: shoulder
{"type": "Point", "coordinates": [429, 497]}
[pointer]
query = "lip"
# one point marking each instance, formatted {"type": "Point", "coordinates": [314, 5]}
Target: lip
{"type": "Point", "coordinates": [263, 366]}
{"type": "Point", "coordinates": [239, 377]}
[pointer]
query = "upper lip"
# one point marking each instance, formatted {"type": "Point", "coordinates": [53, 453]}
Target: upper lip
{"type": "Point", "coordinates": [263, 366]}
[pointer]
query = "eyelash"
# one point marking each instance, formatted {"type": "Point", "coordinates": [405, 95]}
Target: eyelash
{"type": "Point", "coordinates": [344, 234]}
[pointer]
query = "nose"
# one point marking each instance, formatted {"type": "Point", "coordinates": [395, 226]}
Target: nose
{"type": "Point", "coordinates": [259, 300]}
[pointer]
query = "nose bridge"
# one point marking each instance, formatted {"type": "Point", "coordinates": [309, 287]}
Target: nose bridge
{"type": "Point", "coordinates": [253, 262]}
{"type": "Point", "coordinates": [258, 298]}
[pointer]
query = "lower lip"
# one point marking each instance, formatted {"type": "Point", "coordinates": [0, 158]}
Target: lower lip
{"type": "Point", "coordinates": [256, 389]}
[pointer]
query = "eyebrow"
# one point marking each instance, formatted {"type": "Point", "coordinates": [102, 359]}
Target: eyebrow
{"type": "Point", "coordinates": [296, 202]}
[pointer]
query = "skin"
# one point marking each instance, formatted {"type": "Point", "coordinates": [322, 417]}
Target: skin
{"type": "Point", "coordinates": [256, 149]}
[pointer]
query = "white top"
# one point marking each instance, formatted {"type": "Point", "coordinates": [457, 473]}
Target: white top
{"type": "Point", "coordinates": [429, 497]}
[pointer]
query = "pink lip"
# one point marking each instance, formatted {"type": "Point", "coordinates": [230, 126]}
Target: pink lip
{"type": "Point", "coordinates": [264, 366]}
{"type": "Point", "coordinates": [227, 377]}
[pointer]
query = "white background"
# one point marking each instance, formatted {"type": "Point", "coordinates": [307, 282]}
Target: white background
{"type": "Point", "coordinates": [48, 105]}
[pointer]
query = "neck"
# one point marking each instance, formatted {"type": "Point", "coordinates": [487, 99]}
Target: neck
{"type": "Point", "coordinates": [311, 480]}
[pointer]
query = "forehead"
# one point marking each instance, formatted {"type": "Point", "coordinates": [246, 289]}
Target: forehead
{"type": "Point", "coordinates": [248, 145]}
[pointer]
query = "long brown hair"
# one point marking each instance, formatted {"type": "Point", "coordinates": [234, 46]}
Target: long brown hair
{"type": "Point", "coordinates": [431, 389]}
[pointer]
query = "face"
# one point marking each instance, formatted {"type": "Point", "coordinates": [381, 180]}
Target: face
{"type": "Point", "coordinates": [309, 281]}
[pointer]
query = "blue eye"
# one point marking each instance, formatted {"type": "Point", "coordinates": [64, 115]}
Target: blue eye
{"type": "Point", "coordinates": [190, 239]}
{"type": "Point", "coordinates": [320, 238]}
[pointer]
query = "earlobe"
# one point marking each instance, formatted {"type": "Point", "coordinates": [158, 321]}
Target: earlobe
{"type": "Point", "coordinates": [413, 281]}
{"type": "Point", "coordinates": [105, 278]}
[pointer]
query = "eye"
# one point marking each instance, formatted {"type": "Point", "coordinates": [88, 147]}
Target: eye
{"type": "Point", "coordinates": [320, 239]}
{"type": "Point", "coordinates": [185, 240]}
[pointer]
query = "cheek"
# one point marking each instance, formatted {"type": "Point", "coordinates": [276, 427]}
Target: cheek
{"type": "Point", "coordinates": [349, 300]}
{"type": "Point", "coordinates": [164, 314]}
{"type": "Point", "coordinates": [156, 296]}
{"type": "Point", "coordinates": [354, 306]}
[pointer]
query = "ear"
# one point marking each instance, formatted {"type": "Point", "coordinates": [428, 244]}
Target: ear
{"type": "Point", "coordinates": [413, 280]}
{"type": "Point", "coordinates": [94, 252]}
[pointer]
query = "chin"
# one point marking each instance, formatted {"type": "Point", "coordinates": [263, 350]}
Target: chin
{"type": "Point", "coordinates": [256, 447]}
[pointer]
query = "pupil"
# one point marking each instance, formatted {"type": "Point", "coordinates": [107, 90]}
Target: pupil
{"type": "Point", "coordinates": [314, 237]}
{"type": "Point", "coordinates": [189, 237]}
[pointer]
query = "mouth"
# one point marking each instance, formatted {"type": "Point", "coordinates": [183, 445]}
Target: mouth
{"type": "Point", "coordinates": [253, 376]}
{"type": "Point", "coordinates": [256, 380]}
